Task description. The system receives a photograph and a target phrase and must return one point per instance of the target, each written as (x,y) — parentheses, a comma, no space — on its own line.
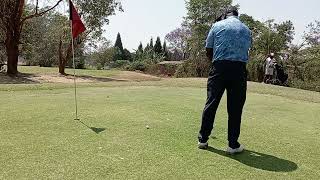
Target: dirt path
(55,78)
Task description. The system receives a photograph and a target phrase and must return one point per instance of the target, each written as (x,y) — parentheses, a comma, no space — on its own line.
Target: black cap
(220,14)
(233,10)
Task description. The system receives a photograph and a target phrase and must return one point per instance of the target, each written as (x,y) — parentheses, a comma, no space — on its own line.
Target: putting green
(40,139)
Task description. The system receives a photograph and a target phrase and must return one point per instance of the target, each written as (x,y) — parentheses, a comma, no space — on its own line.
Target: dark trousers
(232,76)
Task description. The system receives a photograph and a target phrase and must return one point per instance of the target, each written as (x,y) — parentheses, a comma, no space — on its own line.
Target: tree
(165,50)
(151,43)
(127,55)
(95,15)
(312,37)
(285,33)
(119,51)
(149,56)
(303,62)
(140,48)
(267,37)
(200,16)
(257,53)
(118,43)
(275,37)
(257,29)
(103,55)
(41,39)
(158,47)
(148,49)
(205,12)
(178,40)
(118,54)
(12,20)
(176,55)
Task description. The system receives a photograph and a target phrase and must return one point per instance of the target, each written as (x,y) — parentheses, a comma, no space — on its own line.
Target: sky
(143,19)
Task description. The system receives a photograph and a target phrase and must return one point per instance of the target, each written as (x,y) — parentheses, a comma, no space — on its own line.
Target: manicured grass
(40,139)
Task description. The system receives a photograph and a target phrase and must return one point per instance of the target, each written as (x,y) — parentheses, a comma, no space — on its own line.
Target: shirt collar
(232,17)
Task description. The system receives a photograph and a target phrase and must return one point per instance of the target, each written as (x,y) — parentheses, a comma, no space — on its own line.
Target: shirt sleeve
(210,39)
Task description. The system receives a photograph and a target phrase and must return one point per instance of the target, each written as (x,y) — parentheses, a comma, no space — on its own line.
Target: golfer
(227,46)
(269,68)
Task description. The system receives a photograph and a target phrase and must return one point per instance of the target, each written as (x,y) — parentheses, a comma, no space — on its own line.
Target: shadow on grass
(26,78)
(94,129)
(98,79)
(260,161)
(21,78)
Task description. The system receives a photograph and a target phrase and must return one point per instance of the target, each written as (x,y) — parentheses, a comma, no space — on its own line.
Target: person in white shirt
(269,68)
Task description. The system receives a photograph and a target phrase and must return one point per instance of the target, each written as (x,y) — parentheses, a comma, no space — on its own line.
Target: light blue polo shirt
(230,40)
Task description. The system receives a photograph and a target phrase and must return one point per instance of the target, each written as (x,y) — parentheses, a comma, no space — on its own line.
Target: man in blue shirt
(227,47)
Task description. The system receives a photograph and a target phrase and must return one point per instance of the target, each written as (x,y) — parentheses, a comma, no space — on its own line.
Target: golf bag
(3,67)
(280,77)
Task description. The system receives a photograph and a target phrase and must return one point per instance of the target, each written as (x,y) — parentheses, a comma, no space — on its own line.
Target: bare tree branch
(40,13)
(302,45)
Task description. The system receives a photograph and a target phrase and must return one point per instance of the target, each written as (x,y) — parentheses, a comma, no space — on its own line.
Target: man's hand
(210,53)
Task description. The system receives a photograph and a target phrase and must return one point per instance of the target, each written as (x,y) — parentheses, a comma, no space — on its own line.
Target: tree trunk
(12,41)
(12,49)
(63,59)
(62,65)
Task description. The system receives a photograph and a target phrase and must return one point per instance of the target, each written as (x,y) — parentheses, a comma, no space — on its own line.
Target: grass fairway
(40,139)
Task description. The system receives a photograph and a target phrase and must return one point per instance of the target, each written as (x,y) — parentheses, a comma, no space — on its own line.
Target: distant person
(227,45)
(269,68)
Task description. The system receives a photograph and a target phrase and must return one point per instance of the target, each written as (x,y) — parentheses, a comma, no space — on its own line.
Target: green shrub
(136,65)
(99,66)
(304,69)
(162,69)
(255,68)
(80,63)
(153,69)
(185,70)
(306,85)
(119,63)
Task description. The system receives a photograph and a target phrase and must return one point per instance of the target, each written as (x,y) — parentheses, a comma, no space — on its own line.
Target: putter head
(77,119)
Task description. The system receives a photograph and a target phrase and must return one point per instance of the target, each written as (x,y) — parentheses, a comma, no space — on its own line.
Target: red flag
(77,25)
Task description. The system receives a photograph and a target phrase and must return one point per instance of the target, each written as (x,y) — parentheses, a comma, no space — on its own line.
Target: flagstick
(74,75)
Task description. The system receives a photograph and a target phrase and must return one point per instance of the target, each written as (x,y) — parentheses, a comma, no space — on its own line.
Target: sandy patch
(55,78)
(136,76)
